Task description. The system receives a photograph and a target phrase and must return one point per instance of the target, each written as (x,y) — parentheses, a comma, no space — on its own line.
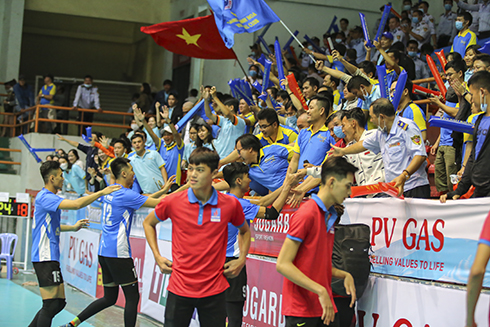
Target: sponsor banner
(138,255)
(413,304)
(154,295)
(421,238)
(264,294)
(79,259)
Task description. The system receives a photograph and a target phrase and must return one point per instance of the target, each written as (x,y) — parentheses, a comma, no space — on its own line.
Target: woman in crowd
(193,130)
(74,176)
(74,159)
(145,100)
(205,137)
(469,58)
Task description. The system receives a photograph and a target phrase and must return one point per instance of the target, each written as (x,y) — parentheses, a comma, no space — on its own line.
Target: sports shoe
(67,325)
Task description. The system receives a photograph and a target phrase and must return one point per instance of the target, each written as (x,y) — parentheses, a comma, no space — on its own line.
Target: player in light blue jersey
(236,175)
(114,250)
(46,230)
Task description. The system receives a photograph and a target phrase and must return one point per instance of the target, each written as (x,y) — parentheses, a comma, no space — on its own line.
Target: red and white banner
(395,303)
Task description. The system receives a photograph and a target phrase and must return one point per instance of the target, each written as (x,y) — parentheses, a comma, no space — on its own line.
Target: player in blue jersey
(114,249)
(46,230)
(236,175)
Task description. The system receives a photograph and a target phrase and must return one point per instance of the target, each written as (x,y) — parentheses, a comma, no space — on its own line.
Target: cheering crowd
(286,142)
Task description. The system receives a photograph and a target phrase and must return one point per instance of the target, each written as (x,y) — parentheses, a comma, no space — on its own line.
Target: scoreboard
(14,208)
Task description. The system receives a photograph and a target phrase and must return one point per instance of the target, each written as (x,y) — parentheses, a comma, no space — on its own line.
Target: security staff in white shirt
(417,30)
(396,31)
(447,27)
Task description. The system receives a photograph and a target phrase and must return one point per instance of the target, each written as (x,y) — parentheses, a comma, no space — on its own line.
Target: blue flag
(240,16)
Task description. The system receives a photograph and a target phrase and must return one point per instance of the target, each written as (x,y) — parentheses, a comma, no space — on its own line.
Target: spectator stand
(16,218)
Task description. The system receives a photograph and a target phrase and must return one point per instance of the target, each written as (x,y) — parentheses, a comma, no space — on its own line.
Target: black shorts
(119,271)
(237,292)
(48,273)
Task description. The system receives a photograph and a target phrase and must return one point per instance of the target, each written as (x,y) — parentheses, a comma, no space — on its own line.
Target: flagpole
(246,75)
(299,42)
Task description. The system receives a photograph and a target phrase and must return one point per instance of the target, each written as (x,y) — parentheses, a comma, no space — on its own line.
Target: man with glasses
(271,131)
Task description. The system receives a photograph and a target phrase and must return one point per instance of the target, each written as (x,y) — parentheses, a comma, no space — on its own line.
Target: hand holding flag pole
(294,36)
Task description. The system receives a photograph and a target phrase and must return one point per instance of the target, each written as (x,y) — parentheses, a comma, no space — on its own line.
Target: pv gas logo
(228,4)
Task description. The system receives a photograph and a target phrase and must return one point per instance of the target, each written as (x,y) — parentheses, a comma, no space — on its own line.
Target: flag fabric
(240,16)
(194,37)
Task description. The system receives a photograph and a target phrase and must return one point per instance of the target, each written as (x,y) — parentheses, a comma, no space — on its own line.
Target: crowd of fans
(342,93)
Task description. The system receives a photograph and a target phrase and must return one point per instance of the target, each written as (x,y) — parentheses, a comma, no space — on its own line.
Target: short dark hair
(335,80)
(273,92)
(344,20)
(268,114)
(174,94)
(249,141)
(50,76)
(284,95)
(313,82)
(383,106)
(123,142)
(88,76)
(337,167)
(234,170)
(395,53)
(326,94)
(457,65)
(480,79)
(356,82)
(424,3)
(193,92)
(351,53)
(466,16)
(455,56)
(232,102)
(483,57)
(409,87)
(136,135)
(204,156)
(323,102)
(368,67)
(395,18)
(412,42)
(117,165)
(355,113)
(167,82)
(418,12)
(49,168)
(475,48)
(340,47)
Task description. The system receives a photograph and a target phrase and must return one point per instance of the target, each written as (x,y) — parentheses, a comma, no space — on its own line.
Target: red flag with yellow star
(194,37)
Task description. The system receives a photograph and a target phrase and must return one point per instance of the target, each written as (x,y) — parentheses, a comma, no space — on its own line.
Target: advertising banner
(421,238)
(79,259)
(395,303)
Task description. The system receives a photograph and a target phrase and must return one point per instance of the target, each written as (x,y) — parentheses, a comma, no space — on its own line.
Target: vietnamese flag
(194,37)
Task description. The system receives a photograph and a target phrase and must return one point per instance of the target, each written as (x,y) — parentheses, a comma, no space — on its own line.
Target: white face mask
(134,127)
(64,166)
(483,105)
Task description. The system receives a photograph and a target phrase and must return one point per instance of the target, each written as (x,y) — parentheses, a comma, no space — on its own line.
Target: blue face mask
(422,10)
(412,54)
(338,40)
(337,130)
(87,85)
(291,121)
(459,26)
(252,73)
(407,7)
(483,106)
(310,47)
(415,20)
(448,6)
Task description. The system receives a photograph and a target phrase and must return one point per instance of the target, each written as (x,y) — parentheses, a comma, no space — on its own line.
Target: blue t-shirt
(272,167)
(250,210)
(172,155)
(188,148)
(46,227)
(229,132)
(76,177)
(481,134)
(446,138)
(117,217)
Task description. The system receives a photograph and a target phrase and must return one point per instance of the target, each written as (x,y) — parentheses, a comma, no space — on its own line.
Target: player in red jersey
(306,255)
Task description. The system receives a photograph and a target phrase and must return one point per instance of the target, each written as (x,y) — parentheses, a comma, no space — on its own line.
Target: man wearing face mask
(476,172)
(87,97)
(400,142)
(367,92)
(446,30)
(465,37)
(421,68)
(483,11)
(419,30)
(428,19)
(355,41)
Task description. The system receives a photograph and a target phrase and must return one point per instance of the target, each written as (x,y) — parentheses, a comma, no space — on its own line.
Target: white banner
(79,259)
(421,238)
(395,303)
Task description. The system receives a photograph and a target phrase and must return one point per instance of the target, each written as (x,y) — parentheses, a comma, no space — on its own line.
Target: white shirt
(370,166)
(423,30)
(447,25)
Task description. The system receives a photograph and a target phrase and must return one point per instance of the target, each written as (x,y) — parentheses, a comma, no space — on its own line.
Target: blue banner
(240,16)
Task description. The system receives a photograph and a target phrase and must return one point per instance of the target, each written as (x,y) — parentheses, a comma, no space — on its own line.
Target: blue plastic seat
(7,239)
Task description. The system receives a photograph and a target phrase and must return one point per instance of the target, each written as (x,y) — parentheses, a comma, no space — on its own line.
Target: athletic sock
(75,322)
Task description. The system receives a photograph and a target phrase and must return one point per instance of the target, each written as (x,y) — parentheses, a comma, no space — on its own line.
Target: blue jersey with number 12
(117,216)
